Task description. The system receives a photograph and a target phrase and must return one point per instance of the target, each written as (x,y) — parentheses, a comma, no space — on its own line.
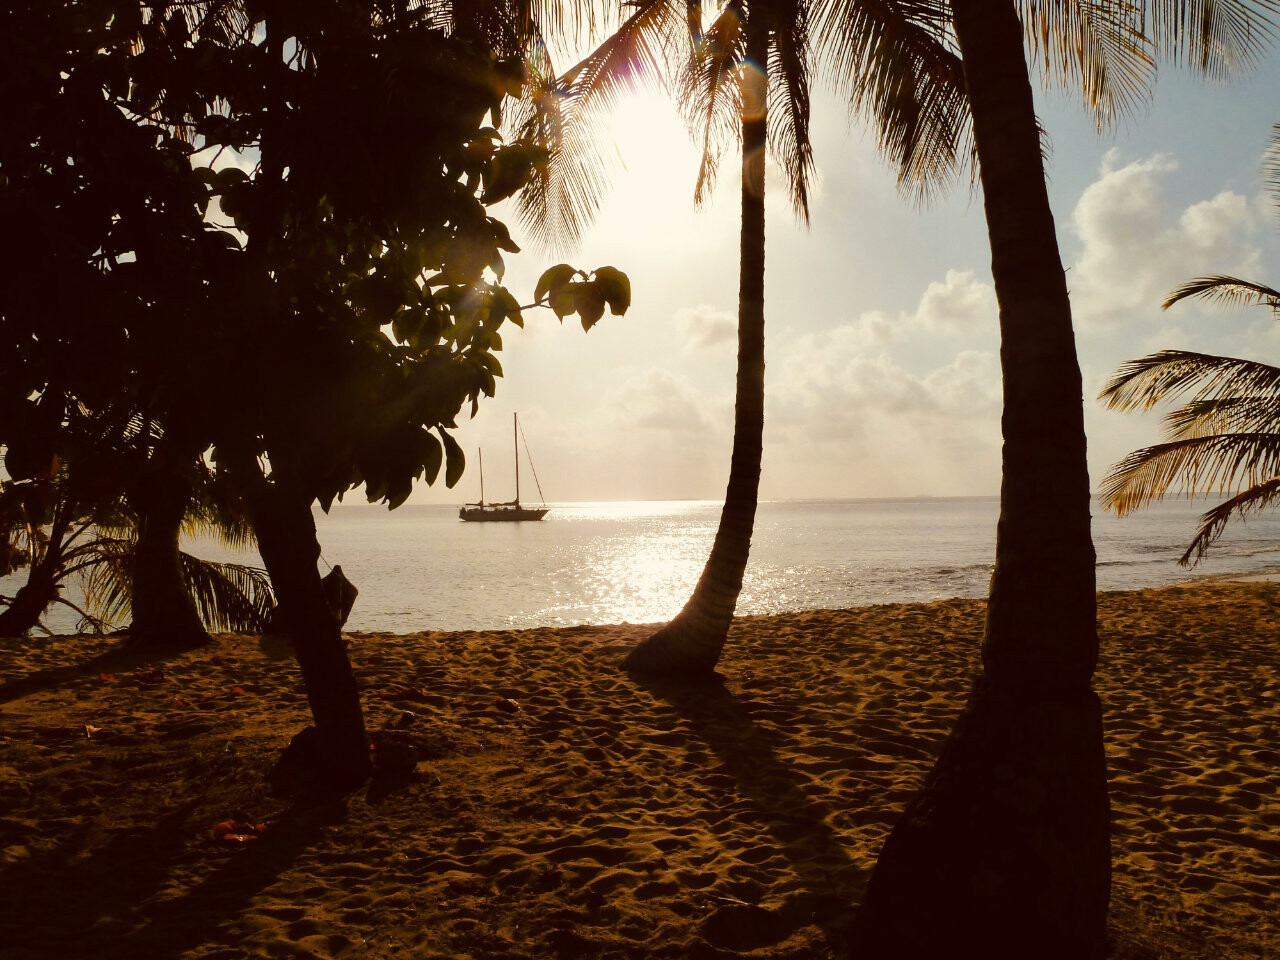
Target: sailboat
(511,510)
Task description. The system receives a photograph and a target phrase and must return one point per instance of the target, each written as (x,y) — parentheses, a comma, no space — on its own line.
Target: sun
(655,147)
(650,201)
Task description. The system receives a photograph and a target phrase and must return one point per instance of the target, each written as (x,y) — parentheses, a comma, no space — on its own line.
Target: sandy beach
(552,807)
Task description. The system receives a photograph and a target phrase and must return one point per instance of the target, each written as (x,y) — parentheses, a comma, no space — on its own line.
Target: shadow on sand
(112,902)
(749,751)
(120,658)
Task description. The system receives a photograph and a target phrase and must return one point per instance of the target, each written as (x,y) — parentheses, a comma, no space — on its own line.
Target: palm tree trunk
(43,585)
(1005,851)
(691,644)
(32,599)
(164,613)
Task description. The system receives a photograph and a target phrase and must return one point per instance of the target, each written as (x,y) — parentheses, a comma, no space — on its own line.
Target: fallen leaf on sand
(236,831)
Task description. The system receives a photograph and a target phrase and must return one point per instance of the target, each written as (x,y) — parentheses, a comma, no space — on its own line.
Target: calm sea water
(419,567)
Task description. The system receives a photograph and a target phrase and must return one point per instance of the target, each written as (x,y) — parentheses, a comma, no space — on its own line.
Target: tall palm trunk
(1004,853)
(164,612)
(691,644)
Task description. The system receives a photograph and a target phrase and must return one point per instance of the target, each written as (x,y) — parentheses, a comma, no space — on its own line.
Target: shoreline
(560,809)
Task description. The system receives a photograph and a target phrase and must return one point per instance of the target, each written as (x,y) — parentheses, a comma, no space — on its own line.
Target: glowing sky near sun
(882,348)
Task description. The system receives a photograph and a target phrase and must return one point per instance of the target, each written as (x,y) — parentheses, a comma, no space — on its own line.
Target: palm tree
(906,82)
(1005,849)
(1227,433)
(57,535)
(744,38)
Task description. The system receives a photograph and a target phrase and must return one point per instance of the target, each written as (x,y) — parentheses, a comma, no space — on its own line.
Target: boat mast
(480,454)
(515,446)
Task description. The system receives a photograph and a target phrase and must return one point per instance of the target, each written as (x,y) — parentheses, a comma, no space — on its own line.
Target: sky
(882,374)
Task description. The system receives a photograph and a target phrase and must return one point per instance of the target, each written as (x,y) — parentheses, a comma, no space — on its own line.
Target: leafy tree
(345,270)
(1006,847)
(1226,435)
(746,80)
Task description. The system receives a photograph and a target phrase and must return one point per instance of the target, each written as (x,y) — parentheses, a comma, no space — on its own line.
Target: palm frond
(568,117)
(710,99)
(1210,464)
(1144,382)
(1098,47)
(232,528)
(1271,167)
(1228,291)
(573,21)
(789,102)
(229,596)
(1199,418)
(1219,38)
(1214,521)
(107,577)
(898,65)
(87,620)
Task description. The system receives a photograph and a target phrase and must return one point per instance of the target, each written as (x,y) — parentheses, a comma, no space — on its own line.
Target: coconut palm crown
(1225,435)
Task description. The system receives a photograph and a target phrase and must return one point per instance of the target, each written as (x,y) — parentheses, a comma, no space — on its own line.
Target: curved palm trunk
(1005,852)
(44,582)
(164,613)
(691,644)
(33,598)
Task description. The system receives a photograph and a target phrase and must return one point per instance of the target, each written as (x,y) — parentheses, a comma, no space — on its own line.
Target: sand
(559,809)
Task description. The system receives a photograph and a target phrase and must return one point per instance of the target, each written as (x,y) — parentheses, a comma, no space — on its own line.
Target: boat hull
(501,514)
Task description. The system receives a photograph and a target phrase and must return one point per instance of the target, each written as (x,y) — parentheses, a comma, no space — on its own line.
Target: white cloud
(959,304)
(660,400)
(706,326)
(1133,253)
(898,432)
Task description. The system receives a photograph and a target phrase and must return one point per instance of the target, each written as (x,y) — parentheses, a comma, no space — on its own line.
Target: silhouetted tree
(341,300)
(65,528)
(1005,850)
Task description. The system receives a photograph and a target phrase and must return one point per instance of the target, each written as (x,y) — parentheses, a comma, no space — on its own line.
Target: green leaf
(510,170)
(502,236)
(455,461)
(589,304)
(562,301)
(552,279)
(432,456)
(398,491)
(507,305)
(615,288)
(228,177)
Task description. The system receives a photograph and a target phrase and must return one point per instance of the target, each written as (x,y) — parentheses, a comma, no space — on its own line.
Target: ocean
(420,568)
